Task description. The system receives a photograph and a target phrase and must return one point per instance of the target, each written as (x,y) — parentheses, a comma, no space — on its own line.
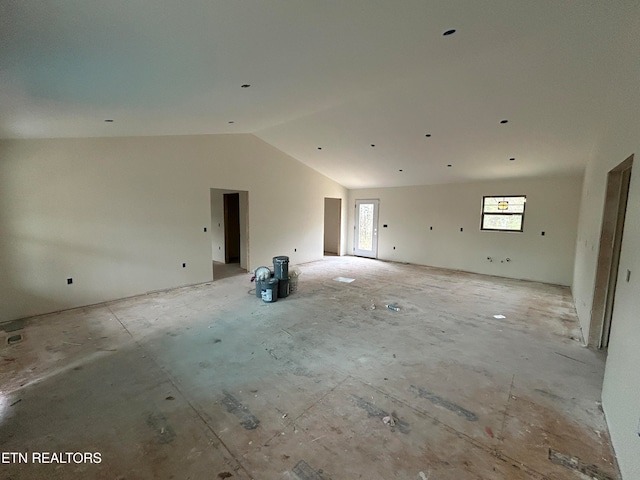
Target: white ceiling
(337,74)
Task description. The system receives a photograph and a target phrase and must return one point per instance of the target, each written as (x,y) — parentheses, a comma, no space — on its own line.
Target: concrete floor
(209,382)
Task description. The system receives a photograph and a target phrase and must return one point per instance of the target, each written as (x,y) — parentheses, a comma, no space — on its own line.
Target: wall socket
(69,281)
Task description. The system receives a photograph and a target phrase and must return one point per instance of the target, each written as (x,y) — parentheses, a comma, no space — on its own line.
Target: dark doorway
(613,218)
(231,228)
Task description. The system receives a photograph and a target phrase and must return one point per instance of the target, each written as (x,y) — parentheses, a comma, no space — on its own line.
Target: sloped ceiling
(329,79)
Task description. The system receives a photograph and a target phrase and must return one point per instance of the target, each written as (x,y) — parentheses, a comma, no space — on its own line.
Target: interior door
(366,228)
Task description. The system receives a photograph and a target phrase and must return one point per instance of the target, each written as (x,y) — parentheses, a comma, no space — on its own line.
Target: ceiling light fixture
(372,145)
(449,165)
(512,159)
(449,32)
(319,148)
(428,135)
(246,85)
(108,120)
(504,121)
(400,170)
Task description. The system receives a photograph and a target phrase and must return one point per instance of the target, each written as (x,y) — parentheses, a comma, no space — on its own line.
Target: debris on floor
(388,420)
(344,279)
(395,308)
(499,317)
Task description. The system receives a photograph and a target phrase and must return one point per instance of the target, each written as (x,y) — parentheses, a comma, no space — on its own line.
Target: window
(505,214)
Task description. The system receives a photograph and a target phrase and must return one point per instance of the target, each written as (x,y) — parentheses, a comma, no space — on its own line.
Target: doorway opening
(231,203)
(615,208)
(366,228)
(229,232)
(332,225)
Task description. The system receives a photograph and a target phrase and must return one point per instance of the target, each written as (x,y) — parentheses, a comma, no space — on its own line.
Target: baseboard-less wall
(120,216)
(423,227)
(618,139)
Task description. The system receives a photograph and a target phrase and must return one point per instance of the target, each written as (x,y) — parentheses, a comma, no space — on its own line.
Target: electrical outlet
(542,233)
(205,229)
(461,229)
(69,281)
(184,265)
(295,249)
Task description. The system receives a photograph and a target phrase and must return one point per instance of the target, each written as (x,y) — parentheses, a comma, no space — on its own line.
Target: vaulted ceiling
(367,92)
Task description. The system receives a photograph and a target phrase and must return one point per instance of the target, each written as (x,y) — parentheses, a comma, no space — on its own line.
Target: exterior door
(366,228)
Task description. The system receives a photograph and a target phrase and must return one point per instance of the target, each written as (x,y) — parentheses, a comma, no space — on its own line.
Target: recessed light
(449,32)
(372,145)
(449,165)
(428,135)
(319,148)
(246,85)
(108,120)
(504,121)
(400,170)
(231,121)
(511,159)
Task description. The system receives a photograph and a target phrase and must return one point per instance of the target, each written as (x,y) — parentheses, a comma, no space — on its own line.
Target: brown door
(231,227)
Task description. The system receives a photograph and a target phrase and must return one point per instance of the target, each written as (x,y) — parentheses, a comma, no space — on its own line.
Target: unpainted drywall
(619,138)
(332,220)
(121,215)
(423,227)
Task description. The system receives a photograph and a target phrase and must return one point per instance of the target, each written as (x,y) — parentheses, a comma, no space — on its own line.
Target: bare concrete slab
(211,382)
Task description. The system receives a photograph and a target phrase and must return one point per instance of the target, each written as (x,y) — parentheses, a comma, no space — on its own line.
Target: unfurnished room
(320,240)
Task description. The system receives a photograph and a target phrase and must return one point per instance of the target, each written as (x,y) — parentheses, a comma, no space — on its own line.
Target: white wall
(552,206)
(619,139)
(244,229)
(121,215)
(332,221)
(621,390)
(217,225)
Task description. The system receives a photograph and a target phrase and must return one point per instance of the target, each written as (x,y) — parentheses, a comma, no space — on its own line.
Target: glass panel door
(366,228)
